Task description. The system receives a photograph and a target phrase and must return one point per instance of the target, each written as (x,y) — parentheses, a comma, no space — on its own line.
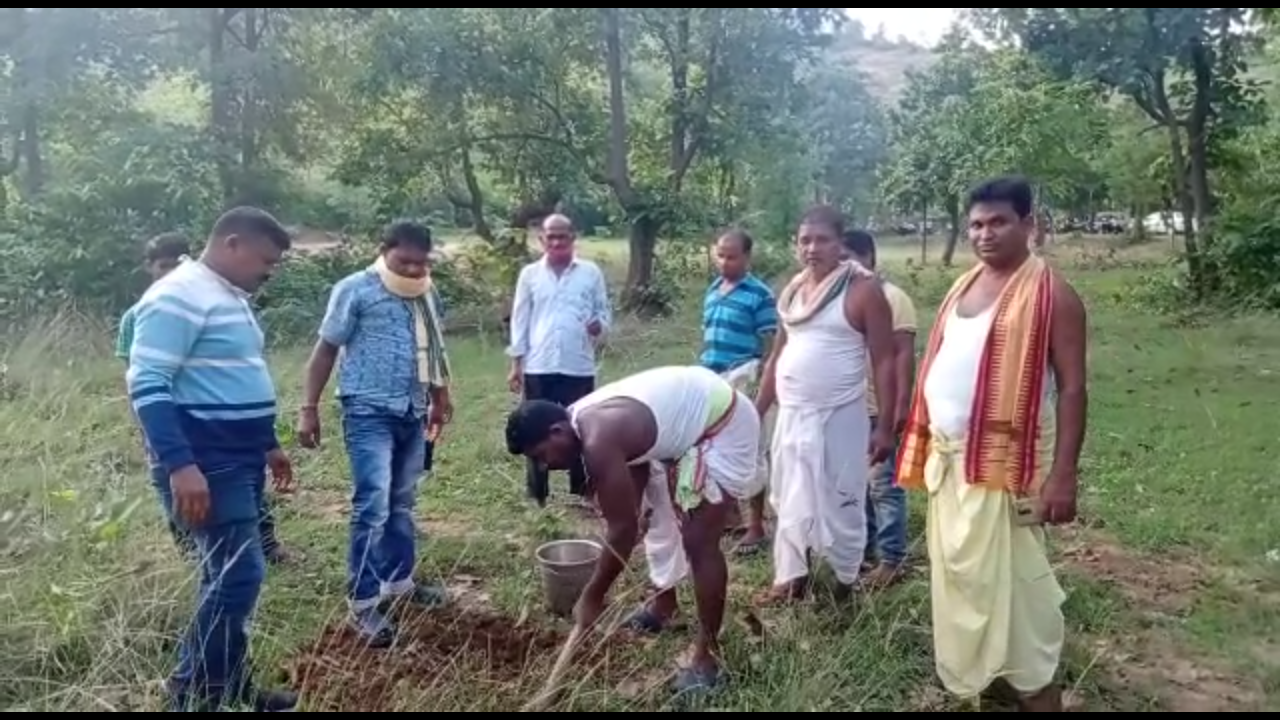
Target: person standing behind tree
(393,381)
(201,390)
(886,502)
(561,311)
(739,321)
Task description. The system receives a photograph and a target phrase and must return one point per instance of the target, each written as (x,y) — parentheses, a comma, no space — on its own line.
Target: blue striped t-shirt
(734,323)
(197,377)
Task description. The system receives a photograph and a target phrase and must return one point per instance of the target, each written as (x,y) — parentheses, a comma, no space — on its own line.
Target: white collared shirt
(550,315)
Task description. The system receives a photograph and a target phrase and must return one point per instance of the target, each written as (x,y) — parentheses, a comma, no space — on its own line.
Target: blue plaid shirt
(378,372)
(734,323)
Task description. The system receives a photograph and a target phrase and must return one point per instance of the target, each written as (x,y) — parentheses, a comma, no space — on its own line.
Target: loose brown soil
(499,660)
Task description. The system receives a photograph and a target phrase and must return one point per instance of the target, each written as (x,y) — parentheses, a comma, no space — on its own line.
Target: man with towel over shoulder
(998,456)
(393,387)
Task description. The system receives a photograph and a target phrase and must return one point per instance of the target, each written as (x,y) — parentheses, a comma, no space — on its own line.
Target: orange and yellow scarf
(1001,446)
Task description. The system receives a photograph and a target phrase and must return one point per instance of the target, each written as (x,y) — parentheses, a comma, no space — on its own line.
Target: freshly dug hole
(448,656)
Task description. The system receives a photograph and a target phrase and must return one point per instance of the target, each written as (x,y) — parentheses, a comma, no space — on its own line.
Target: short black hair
(247,220)
(1012,189)
(406,232)
(166,246)
(742,236)
(824,215)
(531,423)
(859,242)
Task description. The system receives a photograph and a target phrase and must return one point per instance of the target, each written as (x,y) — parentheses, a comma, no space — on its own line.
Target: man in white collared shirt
(560,313)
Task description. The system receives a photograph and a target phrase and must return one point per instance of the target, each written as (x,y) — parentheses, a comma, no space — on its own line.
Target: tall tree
(1182,66)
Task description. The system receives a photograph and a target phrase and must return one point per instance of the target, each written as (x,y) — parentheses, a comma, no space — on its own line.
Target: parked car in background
(1166,223)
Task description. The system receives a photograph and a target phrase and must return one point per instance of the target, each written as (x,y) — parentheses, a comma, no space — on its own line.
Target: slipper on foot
(693,680)
(747,548)
(645,622)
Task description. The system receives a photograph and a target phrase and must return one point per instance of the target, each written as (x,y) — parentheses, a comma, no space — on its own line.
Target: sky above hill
(921,25)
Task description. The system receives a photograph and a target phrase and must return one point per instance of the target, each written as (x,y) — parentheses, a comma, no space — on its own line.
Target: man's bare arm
(319,368)
(619,504)
(1068,343)
(868,311)
(904,356)
(767,395)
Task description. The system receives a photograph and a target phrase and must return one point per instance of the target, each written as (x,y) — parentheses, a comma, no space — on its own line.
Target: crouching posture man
(679,443)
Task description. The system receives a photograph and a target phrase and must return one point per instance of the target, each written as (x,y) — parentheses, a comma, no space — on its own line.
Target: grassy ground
(1174,592)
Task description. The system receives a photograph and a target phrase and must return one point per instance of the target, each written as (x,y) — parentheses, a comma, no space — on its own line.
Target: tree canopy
(655,124)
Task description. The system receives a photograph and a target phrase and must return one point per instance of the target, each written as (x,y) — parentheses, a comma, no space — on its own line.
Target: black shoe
(275,701)
(372,625)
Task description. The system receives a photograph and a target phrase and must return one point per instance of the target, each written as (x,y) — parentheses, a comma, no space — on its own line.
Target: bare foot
(1047,700)
(784,594)
(883,576)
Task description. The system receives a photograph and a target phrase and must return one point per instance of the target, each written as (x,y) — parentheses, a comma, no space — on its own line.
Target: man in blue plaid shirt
(739,320)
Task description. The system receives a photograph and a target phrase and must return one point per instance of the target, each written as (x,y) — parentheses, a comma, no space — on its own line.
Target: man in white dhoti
(832,314)
(997,456)
(678,443)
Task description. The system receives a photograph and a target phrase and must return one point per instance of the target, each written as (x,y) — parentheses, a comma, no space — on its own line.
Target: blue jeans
(213,655)
(886,513)
(187,545)
(386,455)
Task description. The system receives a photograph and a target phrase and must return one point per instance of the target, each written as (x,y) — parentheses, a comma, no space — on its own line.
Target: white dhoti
(818,488)
(997,607)
(729,459)
(742,378)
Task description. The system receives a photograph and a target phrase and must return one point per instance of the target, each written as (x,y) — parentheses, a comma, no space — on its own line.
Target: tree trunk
(643,231)
(953,232)
(221,99)
(642,240)
(1198,146)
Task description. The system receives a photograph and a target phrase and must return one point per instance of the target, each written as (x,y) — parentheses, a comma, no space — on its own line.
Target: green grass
(1172,574)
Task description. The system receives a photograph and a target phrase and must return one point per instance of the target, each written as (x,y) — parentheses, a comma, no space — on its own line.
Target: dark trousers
(187,544)
(562,390)
(213,655)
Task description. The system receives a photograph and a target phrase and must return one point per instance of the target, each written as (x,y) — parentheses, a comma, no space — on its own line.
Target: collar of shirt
(747,279)
(211,273)
(573,262)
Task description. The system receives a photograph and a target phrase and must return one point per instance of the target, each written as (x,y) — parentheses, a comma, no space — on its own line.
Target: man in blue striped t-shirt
(739,320)
(201,391)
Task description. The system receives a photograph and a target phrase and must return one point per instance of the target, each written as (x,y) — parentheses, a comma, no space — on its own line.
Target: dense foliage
(654,124)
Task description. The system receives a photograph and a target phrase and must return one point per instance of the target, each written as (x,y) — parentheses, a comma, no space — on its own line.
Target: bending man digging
(679,442)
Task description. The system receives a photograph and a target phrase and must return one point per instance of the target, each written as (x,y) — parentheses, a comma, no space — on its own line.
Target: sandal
(425,596)
(645,622)
(747,548)
(690,680)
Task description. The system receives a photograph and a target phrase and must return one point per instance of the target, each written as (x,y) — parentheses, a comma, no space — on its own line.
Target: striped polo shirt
(197,377)
(734,323)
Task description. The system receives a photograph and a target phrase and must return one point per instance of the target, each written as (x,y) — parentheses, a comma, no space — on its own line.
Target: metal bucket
(567,567)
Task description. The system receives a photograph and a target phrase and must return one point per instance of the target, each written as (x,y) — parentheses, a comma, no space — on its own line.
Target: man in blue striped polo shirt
(201,391)
(739,320)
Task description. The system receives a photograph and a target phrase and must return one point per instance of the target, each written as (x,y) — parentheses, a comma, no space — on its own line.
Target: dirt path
(1148,659)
